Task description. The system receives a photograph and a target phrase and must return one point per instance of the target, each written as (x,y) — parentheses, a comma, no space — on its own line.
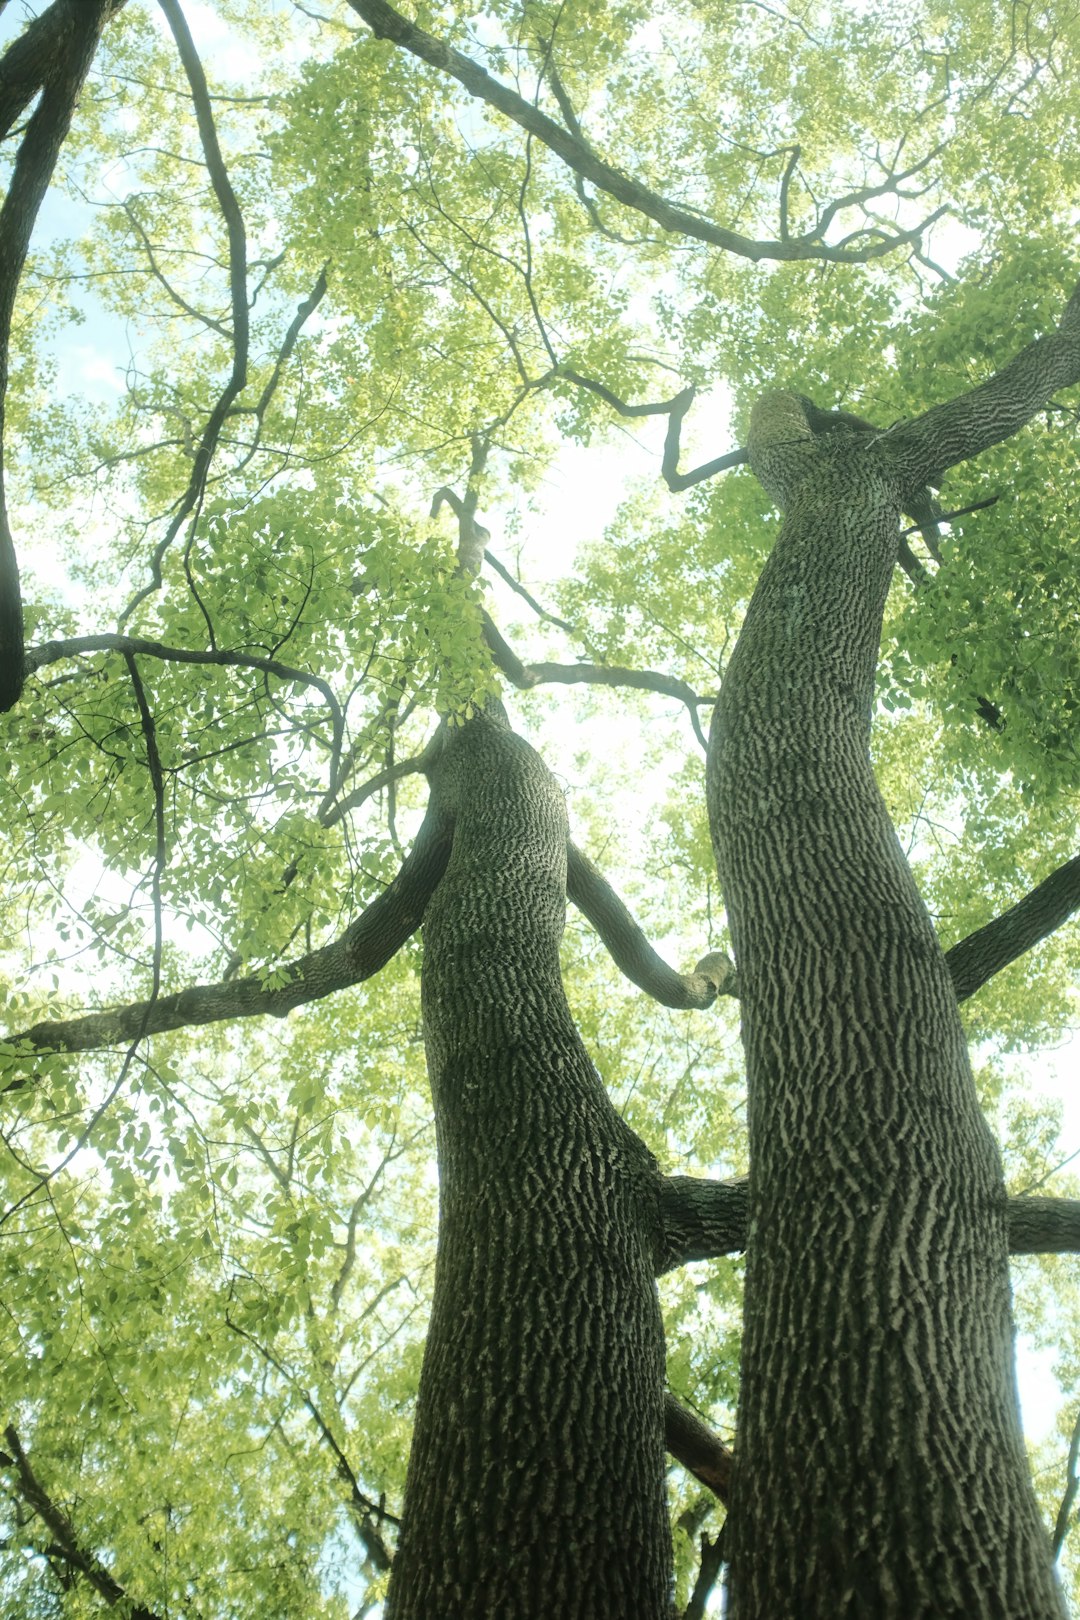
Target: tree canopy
(322,300)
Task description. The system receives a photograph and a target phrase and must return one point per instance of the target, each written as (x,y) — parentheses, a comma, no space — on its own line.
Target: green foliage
(217,1252)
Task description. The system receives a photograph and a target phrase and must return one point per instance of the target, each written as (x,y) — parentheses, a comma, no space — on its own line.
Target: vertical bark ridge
(880,1469)
(535,1483)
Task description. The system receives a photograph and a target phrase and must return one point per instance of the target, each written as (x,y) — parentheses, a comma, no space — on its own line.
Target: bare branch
(73,34)
(1052,902)
(631,951)
(701,1452)
(673,478)
(702,1220)
(526,676)
(366,1514)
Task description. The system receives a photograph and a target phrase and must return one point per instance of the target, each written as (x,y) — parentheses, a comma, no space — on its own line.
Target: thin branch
(238,296)
(386,23)
(527,596)
(669,467)
(526,676)
(1072,1485)
(51,652)
(365,1511)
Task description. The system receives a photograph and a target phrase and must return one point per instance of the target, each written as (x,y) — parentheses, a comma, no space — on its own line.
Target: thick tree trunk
(880,1469)
(535,1484)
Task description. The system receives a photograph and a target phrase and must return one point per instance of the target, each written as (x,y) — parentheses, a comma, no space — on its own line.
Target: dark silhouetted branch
(72,36)
(1052,902)
(66,1546)
(365,947)
(386,23)
(701,1452)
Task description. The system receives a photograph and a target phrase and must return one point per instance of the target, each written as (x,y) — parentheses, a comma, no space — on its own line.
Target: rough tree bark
(880,1469)
(535,1482)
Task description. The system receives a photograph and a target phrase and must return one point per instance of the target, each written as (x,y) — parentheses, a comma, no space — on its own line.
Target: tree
(419,255)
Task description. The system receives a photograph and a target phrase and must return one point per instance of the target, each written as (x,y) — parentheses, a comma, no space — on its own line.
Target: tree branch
(39,55)
(921,450)
(63,1531)
(980,955)
(669,466)
(631,951)
(366,1513)
(703,1220)
(701,1452)
(365,947)
(1072,1485)
(386,23)
(74,34)
(51,652)
(526,676)
(238,296)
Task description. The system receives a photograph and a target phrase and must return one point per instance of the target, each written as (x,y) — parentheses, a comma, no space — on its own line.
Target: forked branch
(386,23)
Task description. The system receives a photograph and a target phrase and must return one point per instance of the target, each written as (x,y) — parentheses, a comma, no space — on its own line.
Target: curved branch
(386,23)
(1052,902)
(366,946)
(631,951)
(526,676)
(51,652)
(703,1220)
(669,466)
(74,47)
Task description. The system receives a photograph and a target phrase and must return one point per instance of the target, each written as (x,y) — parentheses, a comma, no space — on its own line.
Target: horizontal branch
(365,947)
(51,652)
(386,23)
(703,1220)
(66,1547)
(526,676)
(980,955)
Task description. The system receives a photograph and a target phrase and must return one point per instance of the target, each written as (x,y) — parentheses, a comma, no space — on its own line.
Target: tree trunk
(880,1469)
(535,1484)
